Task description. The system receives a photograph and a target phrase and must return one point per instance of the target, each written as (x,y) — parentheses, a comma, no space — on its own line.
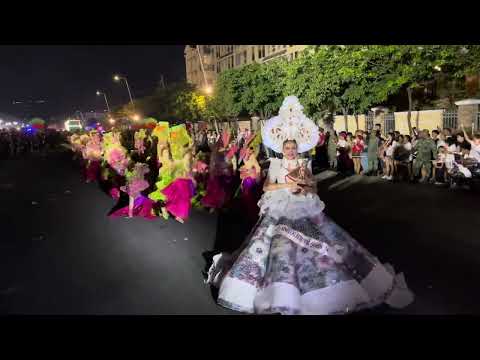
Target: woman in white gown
(297,260)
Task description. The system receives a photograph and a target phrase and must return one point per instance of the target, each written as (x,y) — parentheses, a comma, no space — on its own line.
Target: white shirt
(475,152)
(441,143)
(391,148)
(342,143)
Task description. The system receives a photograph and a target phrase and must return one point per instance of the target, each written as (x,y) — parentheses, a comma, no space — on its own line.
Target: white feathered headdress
(290,124)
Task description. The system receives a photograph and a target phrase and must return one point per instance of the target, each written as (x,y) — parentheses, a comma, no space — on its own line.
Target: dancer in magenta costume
(139,205)
(180,192)
(93,154)
(250,175)
(220,185)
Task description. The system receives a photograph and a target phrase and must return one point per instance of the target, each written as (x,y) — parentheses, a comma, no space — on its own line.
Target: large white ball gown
(297,261)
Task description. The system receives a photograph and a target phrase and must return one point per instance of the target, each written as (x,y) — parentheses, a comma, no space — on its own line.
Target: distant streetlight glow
(136,117)
(118,78)
(111,121)
(208,90)
(438,68)
(105,97)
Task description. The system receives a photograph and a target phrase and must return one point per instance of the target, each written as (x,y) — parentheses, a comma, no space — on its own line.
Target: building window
(245,57)
(273,48)
(237,60)
(261,51)
(253,54)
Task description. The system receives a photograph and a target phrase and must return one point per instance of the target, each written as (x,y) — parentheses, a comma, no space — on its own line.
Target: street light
(105,96)
(208,90)
(118,78)
(136,117)
(111,121)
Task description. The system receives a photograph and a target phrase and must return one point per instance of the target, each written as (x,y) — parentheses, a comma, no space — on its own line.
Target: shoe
(384,177)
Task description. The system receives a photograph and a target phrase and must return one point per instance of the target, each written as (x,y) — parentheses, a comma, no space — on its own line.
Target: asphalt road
(60,254)
(427,232)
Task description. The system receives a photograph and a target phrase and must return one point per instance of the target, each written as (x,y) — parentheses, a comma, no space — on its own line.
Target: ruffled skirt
(179,197)
(303,263)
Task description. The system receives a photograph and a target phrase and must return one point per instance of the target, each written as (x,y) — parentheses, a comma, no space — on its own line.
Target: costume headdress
(290,124)
(140,136)
(179,137)
(161,131)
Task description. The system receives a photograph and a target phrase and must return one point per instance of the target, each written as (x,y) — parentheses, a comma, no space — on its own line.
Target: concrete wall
(339,123)
(427,119)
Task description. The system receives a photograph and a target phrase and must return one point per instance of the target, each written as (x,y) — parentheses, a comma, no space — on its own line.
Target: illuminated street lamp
(105,96)
(438,68)
(111,121)
(118,78)
(208,90)
(136,117)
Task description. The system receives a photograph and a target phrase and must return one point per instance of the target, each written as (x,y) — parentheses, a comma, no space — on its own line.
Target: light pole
(106,101)
(118,78)
(208,89)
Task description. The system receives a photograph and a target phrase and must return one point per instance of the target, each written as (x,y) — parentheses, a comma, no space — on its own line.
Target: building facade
(218,58)
(195,75)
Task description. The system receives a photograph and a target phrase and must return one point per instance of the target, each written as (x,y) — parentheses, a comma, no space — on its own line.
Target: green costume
(332,151)
(373,144)
(426,152)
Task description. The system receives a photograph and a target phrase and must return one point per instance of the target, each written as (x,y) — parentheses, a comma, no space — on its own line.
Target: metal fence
(369,121)
(450,119)
(389,123)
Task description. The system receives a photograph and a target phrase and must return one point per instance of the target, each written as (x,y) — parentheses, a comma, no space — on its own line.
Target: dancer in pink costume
(180,192)
(250,176)
(138,205)
(223,164)
(93,154)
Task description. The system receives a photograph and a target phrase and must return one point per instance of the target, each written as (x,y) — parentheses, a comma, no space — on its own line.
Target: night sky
(67,77)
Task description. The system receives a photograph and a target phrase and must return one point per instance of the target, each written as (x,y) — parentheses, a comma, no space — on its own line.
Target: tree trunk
(345,117)
(417,120)
(409,114)
(356,121)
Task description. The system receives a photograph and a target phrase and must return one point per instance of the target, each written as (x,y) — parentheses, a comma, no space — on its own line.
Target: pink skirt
(142,207)
(216,194)
(179,196)
(92,170)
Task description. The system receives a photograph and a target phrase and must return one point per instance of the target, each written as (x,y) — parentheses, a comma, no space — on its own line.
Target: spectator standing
(426,151)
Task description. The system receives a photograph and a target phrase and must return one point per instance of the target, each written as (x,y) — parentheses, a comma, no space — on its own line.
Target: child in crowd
(332,150)
(439,169)
(357,149)
(389,147)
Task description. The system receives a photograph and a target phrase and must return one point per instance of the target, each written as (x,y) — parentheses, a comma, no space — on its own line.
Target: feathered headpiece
(161,131)
(290,124)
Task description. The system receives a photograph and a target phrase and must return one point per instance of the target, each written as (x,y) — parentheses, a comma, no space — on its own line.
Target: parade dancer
(116,159)
(93,153)
(179,193)
(250,176)
(138,204)
(297,260)
(222,168)
(166,166)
